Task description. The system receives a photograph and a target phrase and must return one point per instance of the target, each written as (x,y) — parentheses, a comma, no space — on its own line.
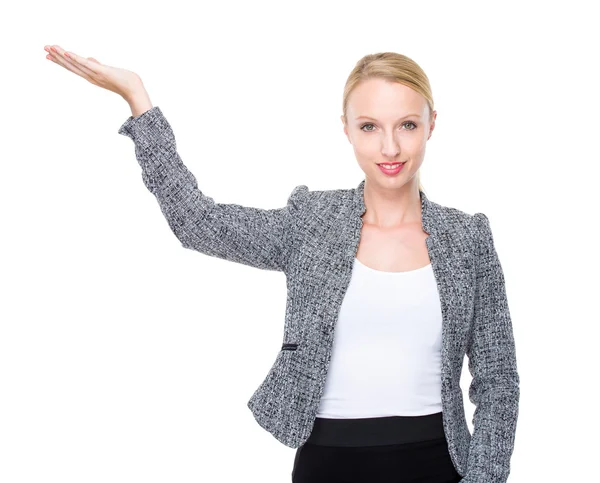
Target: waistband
(376,431)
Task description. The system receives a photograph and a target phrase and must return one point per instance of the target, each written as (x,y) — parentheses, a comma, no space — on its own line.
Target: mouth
(391,169)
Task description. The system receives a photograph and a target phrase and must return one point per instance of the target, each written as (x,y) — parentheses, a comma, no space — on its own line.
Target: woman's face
(388,123)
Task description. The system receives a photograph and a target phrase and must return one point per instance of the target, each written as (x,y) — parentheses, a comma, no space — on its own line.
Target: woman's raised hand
(121,81)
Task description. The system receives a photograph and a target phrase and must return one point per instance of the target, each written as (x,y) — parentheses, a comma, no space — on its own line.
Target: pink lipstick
(393,170)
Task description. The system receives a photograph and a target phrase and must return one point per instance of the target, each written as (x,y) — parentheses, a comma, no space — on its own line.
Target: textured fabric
(313,240)
(386,356)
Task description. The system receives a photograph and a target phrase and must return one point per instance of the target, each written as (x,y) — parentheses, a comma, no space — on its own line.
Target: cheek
(365,156)
(415,142)
(415,147)
(366,149)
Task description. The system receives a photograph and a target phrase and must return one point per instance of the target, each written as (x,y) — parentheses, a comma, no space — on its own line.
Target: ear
(432,123)
(345,128)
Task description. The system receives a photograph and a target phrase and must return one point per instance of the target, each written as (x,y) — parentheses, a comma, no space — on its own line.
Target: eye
(404,124)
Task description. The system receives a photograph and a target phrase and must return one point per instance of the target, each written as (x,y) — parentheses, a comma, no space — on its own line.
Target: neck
(392,207)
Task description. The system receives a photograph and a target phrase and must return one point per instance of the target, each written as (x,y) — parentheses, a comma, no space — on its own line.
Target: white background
(126,358)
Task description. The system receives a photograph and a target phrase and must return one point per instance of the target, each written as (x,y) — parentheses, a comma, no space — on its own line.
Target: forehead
(379,97)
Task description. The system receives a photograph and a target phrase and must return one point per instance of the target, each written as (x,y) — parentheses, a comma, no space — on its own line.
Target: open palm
(121,81)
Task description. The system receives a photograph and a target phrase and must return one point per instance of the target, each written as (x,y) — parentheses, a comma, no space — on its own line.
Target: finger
(82,74)
(79,64)
(67,64)
(83,63)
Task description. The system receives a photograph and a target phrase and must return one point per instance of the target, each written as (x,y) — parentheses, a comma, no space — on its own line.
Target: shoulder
(319,200)
(472,229)
(453,218)
(475,226)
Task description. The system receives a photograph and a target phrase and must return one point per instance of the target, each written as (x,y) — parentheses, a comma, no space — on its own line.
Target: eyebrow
(373,119)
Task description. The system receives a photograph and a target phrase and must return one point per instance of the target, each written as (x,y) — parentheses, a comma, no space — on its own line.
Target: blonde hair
(395,68)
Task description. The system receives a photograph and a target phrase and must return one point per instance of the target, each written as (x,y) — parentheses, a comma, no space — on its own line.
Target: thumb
(93,60)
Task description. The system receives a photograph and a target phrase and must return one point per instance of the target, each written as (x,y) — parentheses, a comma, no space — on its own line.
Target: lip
(391,172)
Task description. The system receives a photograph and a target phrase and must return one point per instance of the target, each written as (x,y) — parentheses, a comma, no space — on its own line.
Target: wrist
(139,101)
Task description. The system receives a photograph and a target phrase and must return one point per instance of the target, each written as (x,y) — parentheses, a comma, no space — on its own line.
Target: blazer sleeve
(494,388)
(251,236)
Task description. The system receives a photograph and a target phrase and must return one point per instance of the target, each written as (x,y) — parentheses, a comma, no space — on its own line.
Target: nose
(390,146)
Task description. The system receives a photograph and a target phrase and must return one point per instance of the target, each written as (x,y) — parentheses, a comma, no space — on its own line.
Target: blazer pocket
(289,347)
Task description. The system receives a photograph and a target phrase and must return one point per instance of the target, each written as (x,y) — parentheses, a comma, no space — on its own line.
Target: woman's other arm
(492,362)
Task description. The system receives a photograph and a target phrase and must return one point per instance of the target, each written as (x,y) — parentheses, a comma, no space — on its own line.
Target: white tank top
(386,354)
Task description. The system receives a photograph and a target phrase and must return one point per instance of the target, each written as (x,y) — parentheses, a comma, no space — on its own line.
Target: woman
(410,287)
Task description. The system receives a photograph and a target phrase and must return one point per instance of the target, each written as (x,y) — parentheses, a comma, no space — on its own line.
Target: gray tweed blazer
(313,240)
